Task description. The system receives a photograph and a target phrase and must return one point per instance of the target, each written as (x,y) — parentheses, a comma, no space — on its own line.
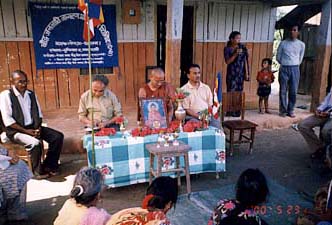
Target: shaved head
(157,78)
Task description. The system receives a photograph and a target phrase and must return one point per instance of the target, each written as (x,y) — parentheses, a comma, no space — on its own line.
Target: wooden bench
(21,152)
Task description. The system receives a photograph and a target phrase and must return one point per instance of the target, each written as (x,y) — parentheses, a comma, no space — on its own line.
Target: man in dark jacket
(22,117)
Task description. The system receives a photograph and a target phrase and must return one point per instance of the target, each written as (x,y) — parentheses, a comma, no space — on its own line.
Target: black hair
(101,78)
(164,190)
(268,60)
(193,65)
(87,185)
(20,72)
(251,188)
(231,36)
(291,25)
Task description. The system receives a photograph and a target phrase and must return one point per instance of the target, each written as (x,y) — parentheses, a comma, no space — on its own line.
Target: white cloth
(25,103)
(28,141)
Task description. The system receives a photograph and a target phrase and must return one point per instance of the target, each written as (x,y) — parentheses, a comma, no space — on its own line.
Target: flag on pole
(217,96)
(93,16)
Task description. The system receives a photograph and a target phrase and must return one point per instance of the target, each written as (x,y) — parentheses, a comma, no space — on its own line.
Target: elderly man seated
(200,96)
(104,104)
(322,118)
(14,175)
(158,88)
(22,118)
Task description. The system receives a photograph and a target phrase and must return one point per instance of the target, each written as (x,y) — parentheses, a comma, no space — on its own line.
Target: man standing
(200,96)
(322,118)
(158,88)
(22,117)
(105,105)
(290,54)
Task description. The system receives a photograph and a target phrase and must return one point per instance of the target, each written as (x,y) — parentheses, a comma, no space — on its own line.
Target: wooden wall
(213,22)
(62,88)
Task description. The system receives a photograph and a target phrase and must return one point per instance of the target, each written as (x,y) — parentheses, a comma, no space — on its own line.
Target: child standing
(265,78)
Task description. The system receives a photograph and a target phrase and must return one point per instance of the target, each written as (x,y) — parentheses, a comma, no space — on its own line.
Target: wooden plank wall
(215,20)
(62,88)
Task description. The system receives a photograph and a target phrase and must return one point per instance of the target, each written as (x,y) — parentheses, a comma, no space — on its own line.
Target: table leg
(159,165)
(178,174)
(187,171)
(151,167)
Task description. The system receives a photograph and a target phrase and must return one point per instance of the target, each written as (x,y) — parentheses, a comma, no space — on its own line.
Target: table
(125,161)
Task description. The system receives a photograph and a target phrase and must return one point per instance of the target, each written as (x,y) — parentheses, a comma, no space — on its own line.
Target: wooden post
(173,41)
(323,56)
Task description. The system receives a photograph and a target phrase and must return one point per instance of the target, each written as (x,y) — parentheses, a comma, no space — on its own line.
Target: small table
(175,151)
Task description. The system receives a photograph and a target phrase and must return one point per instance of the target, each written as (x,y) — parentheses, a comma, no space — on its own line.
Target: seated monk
(106,106)
(158,88)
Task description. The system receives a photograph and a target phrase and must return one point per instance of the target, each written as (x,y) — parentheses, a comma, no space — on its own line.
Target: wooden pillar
(173,41)
(323,56)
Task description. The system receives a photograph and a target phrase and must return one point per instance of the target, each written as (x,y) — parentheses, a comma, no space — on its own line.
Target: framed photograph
(153,112)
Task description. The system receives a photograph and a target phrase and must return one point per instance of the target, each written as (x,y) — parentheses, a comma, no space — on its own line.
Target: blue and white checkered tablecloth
(125,161)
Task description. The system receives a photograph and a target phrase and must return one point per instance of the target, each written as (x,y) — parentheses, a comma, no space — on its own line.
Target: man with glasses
(290,54)
(105,105)
(158,88)
(22,118)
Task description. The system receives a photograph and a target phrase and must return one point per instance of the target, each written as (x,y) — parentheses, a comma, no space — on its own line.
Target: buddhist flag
(217,96)
(93,16)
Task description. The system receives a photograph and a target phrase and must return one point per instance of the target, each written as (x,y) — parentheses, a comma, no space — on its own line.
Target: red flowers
(106,132)
(210,110)
(119,120)
(192,126)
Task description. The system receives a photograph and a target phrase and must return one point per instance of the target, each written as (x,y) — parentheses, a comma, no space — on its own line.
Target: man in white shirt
(200,96)
(22,119)
(290,55)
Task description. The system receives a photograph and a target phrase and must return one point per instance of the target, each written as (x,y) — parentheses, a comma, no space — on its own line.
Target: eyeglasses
(295,30)
(21,82)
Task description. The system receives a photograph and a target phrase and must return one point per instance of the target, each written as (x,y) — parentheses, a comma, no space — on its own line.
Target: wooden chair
(232,102)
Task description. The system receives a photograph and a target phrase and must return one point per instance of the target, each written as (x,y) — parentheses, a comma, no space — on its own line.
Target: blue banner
(58,37)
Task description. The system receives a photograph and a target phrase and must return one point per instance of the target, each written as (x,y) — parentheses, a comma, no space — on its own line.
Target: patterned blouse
(231,212)
(13,178)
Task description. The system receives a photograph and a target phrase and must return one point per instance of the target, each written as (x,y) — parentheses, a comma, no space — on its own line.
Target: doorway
(186,42)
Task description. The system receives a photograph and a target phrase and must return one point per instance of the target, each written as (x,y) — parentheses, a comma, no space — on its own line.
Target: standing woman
(236,58)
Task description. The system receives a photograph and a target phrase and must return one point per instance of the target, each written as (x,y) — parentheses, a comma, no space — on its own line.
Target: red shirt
(265,77)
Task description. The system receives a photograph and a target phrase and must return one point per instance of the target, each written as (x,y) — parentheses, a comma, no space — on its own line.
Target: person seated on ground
(200,96)
(158,88)
(251,190)
(81,209)
(106,106)
(14,175)
(160,197)
(22,117)
(321,214)
(322,118)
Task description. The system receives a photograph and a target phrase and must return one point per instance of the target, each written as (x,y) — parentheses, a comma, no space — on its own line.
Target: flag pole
(91,94)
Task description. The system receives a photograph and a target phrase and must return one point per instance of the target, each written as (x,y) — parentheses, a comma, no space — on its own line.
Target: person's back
(251,190)
(231,212)
(80,208)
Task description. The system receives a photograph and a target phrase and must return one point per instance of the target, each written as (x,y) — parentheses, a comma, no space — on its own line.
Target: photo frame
(153,112)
